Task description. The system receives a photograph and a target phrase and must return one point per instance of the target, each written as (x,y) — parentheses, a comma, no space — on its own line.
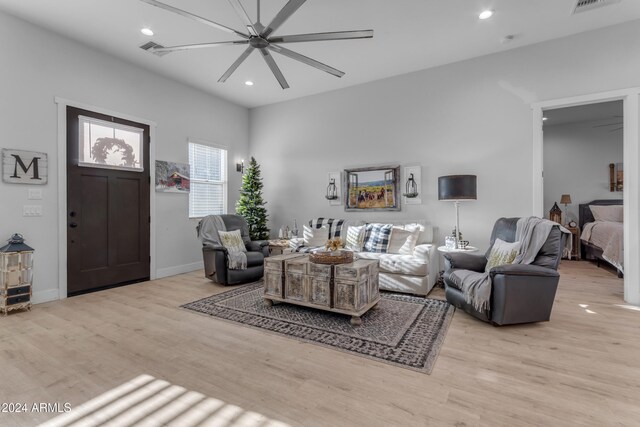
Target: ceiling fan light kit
(258,37)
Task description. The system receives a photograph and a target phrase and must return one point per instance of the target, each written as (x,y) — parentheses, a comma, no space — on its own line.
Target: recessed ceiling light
(544,119)
(249,83)
(146,31)
(486,14)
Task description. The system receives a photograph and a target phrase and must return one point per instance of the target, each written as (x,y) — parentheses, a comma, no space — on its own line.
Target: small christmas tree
(250,205)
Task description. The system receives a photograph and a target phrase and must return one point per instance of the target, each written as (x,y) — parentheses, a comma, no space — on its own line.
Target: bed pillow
(376,238)
(355,238)
(613,213)
(403,240)
(502,253)
(315,236)
(232,240)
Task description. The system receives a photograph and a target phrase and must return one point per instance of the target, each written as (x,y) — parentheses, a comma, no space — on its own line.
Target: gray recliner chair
(216,264)
(521,293)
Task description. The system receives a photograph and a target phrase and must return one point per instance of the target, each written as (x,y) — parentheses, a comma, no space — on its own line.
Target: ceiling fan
(261,38)
(619,123)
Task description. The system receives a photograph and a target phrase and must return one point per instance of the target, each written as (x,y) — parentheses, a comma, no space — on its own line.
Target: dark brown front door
(108,220)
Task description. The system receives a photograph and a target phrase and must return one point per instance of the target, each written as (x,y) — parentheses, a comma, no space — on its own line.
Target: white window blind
(208,193)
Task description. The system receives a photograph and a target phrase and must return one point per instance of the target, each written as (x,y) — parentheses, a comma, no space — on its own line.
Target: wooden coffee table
(350,289)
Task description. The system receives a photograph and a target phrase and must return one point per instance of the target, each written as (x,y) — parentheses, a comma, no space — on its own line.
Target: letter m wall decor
(24,167)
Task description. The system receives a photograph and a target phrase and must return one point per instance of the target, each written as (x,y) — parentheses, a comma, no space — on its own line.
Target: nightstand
(575,247)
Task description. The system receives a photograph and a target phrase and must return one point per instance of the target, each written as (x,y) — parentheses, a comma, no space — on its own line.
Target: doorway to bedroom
(583,179)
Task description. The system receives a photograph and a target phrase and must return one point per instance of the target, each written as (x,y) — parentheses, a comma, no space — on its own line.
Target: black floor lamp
(456,189)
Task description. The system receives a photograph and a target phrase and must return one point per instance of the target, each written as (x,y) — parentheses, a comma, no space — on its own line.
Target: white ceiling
(601,112)
(409,35)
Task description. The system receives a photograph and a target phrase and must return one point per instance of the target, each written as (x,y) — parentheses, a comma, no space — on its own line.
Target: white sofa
(414,274)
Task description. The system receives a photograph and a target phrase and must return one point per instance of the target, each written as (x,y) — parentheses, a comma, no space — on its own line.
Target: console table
(350,289)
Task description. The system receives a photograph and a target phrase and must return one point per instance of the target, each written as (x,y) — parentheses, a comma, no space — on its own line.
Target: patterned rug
(405,331)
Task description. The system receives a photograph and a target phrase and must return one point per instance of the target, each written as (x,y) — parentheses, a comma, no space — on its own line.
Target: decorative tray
(331,257)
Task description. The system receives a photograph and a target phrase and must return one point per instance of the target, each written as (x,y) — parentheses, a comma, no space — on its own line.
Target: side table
(575,247)
(446,250)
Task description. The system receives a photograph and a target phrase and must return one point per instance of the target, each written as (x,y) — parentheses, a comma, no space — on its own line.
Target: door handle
(73,225)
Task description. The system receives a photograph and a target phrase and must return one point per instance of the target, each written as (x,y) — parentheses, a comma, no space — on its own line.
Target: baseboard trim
(45,296)
(178,269)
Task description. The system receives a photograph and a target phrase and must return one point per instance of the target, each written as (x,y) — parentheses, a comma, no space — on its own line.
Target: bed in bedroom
(602,233)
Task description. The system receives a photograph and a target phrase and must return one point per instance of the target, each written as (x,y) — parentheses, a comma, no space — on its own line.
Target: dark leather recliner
(216,266)
(520,293)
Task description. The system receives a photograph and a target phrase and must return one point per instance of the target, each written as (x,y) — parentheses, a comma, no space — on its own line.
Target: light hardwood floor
(581,368)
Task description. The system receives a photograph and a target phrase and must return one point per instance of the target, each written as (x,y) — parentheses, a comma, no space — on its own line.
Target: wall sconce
(240,166)
(411,188)
(332,190)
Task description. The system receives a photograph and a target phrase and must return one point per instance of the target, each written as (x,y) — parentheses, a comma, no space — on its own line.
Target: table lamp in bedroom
(566,200)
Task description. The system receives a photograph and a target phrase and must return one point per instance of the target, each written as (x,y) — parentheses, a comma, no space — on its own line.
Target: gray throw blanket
(532,233)
(208,229)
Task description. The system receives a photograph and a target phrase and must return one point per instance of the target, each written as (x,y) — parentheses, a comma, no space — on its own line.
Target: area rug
(405,330)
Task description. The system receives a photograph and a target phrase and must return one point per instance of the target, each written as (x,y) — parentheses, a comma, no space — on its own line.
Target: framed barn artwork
(172,177)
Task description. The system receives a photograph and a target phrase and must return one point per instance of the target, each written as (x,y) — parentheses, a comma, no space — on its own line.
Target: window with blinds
(208,193)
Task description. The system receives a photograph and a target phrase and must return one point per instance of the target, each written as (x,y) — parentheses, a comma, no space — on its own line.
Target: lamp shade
(565,199)
(457,187)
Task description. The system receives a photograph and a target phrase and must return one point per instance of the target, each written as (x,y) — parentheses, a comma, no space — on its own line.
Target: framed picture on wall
(172,177)
(616,176)
(373,188)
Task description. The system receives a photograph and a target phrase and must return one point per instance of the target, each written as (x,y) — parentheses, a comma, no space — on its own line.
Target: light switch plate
(32,210)
(35,194)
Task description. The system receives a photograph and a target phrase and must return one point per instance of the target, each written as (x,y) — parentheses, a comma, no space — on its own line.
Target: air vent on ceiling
(150,46)
(584,5)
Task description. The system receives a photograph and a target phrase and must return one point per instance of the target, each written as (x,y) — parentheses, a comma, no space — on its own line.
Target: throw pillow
(376,238)
(613,213)
(314,236)
(355,238)
(502,253)
(232,240)
(334,226)
(403,240)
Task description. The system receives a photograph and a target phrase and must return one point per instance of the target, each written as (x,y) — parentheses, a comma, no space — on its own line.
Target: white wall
(37,66)
(471,117)
(576,162)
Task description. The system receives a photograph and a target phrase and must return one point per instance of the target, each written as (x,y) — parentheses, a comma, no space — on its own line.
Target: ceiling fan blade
(236,64)
(338,35)
(305,59)
(168,49)
(609,124)
(243,16)
(284,14)
(274,68)
(194,17)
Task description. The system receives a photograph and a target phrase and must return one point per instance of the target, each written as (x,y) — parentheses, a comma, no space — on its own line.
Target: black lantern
(411,188)
(332,190)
